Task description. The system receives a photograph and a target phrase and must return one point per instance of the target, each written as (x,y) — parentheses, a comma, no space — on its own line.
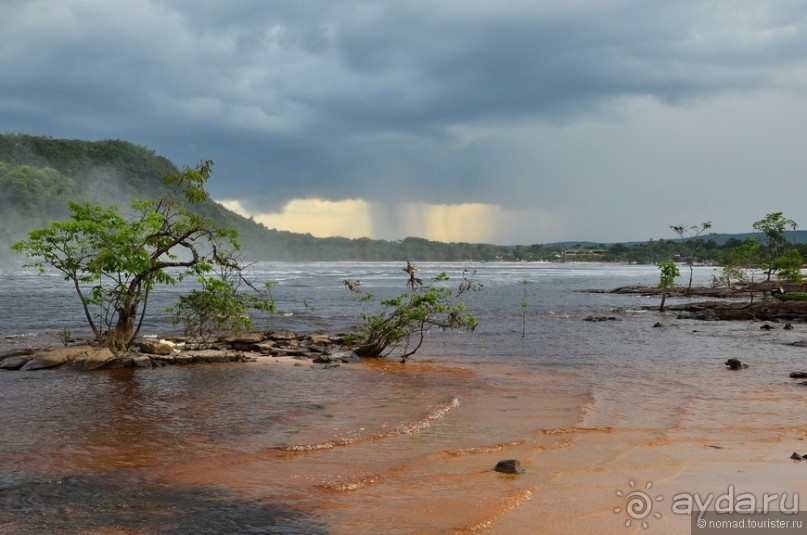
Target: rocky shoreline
(317,348)
(752,303)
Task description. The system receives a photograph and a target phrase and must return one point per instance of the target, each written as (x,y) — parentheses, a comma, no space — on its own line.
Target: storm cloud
(603,120)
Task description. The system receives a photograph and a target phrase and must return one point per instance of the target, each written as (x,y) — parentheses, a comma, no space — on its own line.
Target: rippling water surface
(265,447)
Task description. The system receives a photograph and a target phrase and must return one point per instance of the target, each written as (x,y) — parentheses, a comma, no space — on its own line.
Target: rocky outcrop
(600,318)
(83,357)
(761,310)
(319,348)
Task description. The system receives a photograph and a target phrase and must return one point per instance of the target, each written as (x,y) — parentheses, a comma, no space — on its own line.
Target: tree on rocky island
(742,263)
(689,236)
(115,260)
(773,225)
(405,319)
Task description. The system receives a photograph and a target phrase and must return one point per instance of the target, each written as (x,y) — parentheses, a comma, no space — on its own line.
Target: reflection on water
(390,448)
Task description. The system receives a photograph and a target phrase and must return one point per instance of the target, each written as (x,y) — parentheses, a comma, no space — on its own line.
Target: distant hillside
(38,175)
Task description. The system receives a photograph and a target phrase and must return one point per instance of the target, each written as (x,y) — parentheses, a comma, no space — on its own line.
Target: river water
(592,410)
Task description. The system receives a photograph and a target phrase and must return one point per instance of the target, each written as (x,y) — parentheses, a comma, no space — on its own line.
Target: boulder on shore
(52,358)
(156,347)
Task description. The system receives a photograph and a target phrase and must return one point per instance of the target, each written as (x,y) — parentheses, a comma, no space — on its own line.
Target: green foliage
(219,306)
(668,273)
(773,225)
(404,319)
(788,266)
(114,261)
(65,336)
(741,263)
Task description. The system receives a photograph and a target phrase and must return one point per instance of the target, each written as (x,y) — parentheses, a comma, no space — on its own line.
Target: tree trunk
(122,336)
(691,273)
(663,307)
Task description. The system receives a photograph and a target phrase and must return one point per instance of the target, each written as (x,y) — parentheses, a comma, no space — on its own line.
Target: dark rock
(264,348)
(17,352)
(288,352)
(210,355)
(767,327)
(346,357)
(141,361)
(601,318)
(509,466)
(796,457)
(735,364)
(788,327)
(803,383)
(124,361)
(14,363)
(798,375)
(657,325)
(322,359)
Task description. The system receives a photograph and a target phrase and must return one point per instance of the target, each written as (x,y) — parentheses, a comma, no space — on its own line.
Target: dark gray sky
(508,121)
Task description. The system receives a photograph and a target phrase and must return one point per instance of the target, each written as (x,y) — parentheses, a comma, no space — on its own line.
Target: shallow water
(586,407)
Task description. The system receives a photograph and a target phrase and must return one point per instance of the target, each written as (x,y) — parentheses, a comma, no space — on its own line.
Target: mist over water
(383,447)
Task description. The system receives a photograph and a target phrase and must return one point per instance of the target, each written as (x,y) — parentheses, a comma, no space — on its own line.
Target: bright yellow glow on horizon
(470,222)
(323,219)
(354,218)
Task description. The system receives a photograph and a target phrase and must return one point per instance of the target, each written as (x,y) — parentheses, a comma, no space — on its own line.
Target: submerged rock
(796,457)
(509,466)
(735,364)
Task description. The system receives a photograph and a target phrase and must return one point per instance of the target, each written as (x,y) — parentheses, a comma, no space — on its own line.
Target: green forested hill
(38,175)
